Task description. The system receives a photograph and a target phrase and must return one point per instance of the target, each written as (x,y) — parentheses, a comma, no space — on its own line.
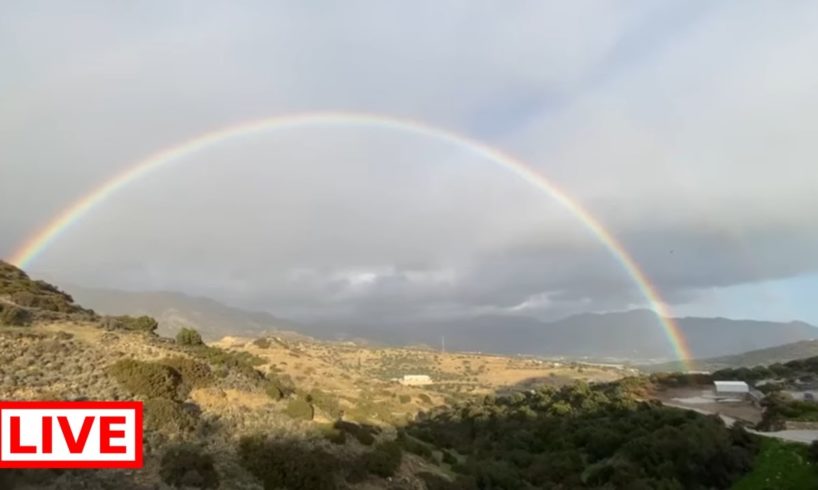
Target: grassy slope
(780,466)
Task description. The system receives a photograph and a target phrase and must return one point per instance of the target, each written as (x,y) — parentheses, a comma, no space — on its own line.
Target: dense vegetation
(147,379)
(223,361)
(780,408)
(678,380)
(292,464)
(141,324)
(280,464)
(587,437)
(384,459)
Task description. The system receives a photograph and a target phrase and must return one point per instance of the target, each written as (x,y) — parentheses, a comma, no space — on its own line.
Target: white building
(731,387)
(415,379)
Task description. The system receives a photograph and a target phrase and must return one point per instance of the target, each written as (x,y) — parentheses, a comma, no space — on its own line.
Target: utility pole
(443,344)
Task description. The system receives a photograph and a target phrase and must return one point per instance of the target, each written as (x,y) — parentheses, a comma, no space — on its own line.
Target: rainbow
(34,246)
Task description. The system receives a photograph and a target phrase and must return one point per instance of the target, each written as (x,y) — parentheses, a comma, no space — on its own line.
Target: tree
(189,336)
(298,408)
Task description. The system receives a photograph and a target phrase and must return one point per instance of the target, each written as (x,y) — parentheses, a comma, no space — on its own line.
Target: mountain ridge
(633,335)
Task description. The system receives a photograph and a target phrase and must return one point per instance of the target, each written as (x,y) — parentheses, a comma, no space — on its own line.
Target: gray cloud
(687,130)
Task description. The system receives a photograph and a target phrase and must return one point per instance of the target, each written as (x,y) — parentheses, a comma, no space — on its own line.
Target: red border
(136,406)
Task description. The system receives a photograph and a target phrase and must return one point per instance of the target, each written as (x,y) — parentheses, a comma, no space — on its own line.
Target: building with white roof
(731,387)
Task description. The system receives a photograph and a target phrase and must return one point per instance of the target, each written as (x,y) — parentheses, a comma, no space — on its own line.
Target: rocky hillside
(23,300)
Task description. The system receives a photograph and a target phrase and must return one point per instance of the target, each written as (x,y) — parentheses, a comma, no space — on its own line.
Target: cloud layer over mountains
(687,128)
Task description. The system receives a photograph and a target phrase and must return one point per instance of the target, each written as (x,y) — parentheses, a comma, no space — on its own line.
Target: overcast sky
(689,128)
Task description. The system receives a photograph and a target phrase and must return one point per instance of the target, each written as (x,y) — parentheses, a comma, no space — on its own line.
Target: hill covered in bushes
(234,416)
(585,436)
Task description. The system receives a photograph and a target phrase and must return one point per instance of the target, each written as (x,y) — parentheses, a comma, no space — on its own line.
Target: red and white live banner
(56,434)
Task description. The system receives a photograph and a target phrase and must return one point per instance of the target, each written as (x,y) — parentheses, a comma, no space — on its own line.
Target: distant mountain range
(634,335)
(771,355)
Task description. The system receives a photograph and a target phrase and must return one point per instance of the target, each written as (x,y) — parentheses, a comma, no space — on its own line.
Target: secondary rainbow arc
(46,236)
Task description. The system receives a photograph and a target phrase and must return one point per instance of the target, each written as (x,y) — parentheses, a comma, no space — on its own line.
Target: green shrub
(242,362)
(366,410)
(273,391)
(262,343)
(279,386)
(194,374)
(189,336)
(335,436)
(162,414)
(185,465)
(144,324)
(14,315)
(405,398)
(326,402)
(300,409)
(147,379)
(281,464)
(425,398)
(384,460)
